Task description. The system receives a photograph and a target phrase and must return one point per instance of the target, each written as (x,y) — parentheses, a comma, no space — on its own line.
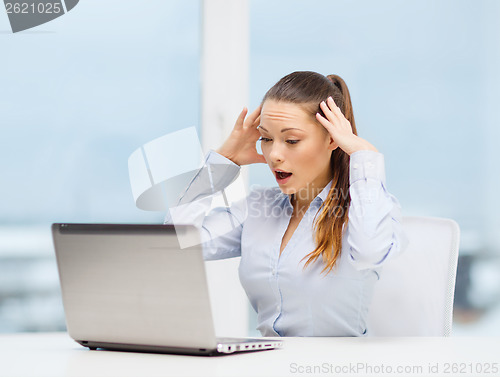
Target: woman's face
(295,143)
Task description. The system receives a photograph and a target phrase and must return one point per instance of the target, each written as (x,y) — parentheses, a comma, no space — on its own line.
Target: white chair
(414,296)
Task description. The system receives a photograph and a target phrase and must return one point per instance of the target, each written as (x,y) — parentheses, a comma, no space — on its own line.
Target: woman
(312,249)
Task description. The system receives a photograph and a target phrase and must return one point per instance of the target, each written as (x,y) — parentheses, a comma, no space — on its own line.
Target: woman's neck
(302,199)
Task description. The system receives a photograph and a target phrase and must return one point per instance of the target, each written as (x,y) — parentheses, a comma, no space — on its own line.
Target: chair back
(414,296)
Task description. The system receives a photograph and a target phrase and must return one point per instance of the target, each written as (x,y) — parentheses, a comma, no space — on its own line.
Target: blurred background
(81,93)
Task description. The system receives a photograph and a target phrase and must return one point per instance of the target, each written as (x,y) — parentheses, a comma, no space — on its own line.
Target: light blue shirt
(290,300)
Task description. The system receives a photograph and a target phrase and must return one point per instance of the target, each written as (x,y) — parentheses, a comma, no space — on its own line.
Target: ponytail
(346,100)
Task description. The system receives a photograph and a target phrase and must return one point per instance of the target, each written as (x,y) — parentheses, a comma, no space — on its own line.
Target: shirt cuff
(366,165)
(216,158)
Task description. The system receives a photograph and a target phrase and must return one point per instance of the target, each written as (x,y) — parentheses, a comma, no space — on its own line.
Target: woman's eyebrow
(284,129)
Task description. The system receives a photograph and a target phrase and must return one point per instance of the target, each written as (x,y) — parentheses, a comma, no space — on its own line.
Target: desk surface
(55,354)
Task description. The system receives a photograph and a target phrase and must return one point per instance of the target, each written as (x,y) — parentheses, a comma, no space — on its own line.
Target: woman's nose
(276,153)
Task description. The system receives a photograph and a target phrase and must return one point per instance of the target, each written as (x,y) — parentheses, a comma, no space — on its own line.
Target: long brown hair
(308,89)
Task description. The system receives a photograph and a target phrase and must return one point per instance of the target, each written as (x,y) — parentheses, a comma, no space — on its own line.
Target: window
(79,95)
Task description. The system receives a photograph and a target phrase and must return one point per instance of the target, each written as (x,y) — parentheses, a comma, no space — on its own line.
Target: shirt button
(274,271)
(355,166)
(278,308)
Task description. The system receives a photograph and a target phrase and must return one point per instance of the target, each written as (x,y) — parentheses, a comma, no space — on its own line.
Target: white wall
(225,90)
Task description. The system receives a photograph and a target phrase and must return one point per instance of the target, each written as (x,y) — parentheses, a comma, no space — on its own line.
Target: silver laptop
(131,287)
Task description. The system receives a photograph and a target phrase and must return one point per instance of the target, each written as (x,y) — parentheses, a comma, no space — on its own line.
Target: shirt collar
(324,193)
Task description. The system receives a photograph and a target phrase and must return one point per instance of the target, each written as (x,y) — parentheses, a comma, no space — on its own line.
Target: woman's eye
(266,139)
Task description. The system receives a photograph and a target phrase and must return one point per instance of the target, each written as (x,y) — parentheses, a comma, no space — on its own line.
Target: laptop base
(226,348)
(149,349)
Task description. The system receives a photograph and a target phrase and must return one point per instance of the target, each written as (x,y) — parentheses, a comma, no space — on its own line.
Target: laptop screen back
(132,284)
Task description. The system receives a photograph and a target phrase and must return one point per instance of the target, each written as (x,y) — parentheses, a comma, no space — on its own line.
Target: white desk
(55,354)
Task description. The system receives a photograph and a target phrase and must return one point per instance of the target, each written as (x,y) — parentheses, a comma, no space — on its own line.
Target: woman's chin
(287,190)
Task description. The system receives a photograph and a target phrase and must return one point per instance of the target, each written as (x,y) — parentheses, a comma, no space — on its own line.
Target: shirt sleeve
(374,231)
(206,205)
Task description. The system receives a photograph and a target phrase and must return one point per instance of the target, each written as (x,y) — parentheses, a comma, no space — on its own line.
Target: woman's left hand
(340,128)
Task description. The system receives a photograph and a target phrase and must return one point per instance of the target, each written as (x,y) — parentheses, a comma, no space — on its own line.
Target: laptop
(132,288)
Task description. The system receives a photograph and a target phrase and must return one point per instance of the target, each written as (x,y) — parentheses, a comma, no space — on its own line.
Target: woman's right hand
(240,147)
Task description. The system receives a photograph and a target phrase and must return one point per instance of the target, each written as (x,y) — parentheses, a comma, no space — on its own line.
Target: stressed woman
(312,248)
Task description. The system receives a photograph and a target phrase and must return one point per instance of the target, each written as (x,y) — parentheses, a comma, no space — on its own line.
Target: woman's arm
(374,230)
(220,227)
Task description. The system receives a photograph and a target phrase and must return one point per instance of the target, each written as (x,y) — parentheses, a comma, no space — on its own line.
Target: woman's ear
(332,144)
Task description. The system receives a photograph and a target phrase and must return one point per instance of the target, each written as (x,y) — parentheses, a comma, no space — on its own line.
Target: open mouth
(282,174)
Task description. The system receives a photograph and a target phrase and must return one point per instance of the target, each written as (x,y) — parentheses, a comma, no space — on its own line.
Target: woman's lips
(282,177)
